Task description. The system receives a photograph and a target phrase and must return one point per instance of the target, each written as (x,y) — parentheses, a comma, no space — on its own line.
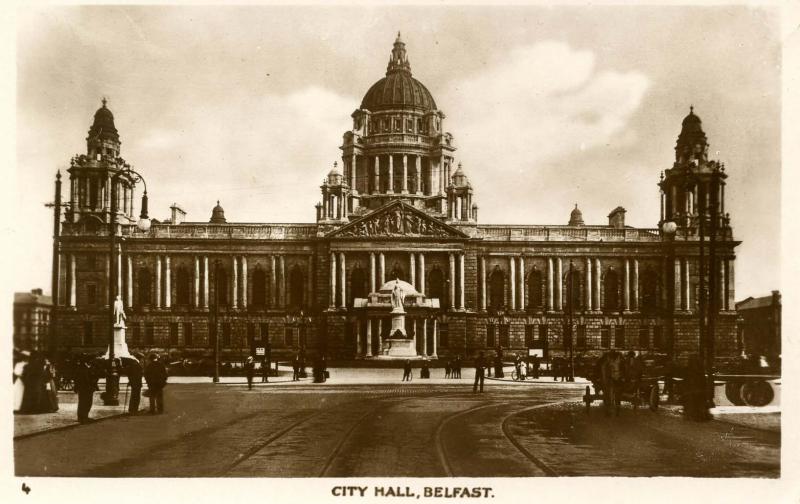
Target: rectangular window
(605,337)
(619,336)
(149,334)
(530,335)
(658,337)
(91,294)
(490,335)
(504,340)
(288,337)
(580,341)
(88,332)
(187,334)
(173,334)
(444,334)
(644,337)
(226,334)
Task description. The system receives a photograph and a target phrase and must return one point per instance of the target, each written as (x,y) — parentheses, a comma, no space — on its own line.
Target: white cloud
(528,114)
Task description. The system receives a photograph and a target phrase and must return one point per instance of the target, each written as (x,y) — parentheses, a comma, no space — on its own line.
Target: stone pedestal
(120,346)
(400,347)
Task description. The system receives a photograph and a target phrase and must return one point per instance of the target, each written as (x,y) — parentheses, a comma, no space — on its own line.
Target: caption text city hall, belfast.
(400,208)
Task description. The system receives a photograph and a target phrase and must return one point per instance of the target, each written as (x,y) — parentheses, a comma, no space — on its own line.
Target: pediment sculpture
(396,221)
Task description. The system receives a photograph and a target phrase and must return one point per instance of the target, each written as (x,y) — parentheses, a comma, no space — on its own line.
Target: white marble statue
(398,296)
(119,313)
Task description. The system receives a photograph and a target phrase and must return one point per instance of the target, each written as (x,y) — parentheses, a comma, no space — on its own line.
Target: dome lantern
(218,215)
(576,217)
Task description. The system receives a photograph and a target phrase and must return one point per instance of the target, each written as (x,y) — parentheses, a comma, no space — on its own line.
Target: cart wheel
(655,398)
(757,393)
(733,391)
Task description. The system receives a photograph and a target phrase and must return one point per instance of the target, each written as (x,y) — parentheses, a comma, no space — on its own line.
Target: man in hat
(156,377)
(134,372)
(249,370)
(85,386)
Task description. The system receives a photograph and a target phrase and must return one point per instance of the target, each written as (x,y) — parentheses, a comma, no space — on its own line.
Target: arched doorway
(572,286)
(183,287)
(611,291)
(221,287)
(535,289)
(497,289)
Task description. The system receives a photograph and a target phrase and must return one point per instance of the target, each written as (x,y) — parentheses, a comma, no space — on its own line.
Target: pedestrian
(424,370)
(85,386)
(265,370)
(695,406)
(33,381)
(249,371)
(407,370)
(458,367)
(134,372)
(156,377)
(447,369)
(613,380)
(49,396)
(480,364)
(535,365)
(296,368)
(19,388)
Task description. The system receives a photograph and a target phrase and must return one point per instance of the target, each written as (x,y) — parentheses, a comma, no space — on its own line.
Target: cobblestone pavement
(395,429)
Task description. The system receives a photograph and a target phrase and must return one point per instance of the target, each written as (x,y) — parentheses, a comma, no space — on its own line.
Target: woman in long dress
(19,386)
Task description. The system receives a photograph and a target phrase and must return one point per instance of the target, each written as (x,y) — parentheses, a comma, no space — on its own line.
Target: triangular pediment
(394,220)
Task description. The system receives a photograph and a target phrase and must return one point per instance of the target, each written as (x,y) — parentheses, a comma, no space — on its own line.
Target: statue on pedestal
(398,297)
(119,313)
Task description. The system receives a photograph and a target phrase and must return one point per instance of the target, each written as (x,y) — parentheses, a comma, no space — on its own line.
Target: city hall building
(400,208)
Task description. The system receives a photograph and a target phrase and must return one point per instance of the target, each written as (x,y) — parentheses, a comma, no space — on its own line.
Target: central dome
(398,89)
(406,287)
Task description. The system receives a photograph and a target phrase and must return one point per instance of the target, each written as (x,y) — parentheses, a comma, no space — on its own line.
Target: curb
(67,427)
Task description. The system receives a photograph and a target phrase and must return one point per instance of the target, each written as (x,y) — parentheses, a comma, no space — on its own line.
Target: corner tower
(397,147)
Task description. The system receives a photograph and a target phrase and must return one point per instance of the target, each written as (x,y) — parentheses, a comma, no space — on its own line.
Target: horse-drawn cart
(615,379)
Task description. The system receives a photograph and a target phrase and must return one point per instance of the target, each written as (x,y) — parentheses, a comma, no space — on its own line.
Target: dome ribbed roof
(103,124)
(218,215)
(691,123)
(576,217)
(398,89)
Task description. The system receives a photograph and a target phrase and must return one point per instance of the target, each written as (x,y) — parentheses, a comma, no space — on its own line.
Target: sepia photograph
(377,249)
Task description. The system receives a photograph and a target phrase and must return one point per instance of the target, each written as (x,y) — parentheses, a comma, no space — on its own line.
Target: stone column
(442,184)
(158,281)
(512,299)
(483,283)
(626,286)
(369,338)
(549,284)
(405,174)
(359,350)
(244,282)
(588,282)
(419,175)
(559,284)
(205,281)
(381,270)
(325,202)
(371,272)
(235,283)
(412,269)
(376,170)
(635,285)
(129,292)
(196,281)
(687,299)
(282,281)
(273,281)
(731,291)
(332,282)
(677,285)
(72,282)
(424,337)
(421,289)
(343,279)
(521,283)
(167,282)
(435,336)
(380,337)
(107,289)
(461,288)
(118,291)
(722,292)
(391,175)
(596,291)
(452,303)
(353,168)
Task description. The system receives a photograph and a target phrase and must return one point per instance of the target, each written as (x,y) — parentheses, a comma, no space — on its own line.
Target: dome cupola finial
(398,61)
(692,142)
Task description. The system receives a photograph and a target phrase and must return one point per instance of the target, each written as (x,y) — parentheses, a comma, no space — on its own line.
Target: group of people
(35,388)
(452,369)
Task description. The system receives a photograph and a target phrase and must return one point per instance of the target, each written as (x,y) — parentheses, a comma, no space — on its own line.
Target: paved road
(395,430)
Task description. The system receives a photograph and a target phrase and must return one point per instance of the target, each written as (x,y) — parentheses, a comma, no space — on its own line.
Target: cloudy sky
(549,106)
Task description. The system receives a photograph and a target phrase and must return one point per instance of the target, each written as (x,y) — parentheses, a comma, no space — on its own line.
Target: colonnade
(408,166)
(82,187)
(367,346)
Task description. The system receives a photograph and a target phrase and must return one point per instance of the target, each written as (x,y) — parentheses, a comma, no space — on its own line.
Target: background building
(32,320)
(760,327)
(400,207)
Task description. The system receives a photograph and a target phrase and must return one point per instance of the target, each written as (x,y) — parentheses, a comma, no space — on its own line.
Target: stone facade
(397,210)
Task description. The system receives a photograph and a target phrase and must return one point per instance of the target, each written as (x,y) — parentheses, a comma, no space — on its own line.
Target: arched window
(296,287)
(259,287)
(183,287)
(649,290)
(497,289)
(573,289)
(358,284)
(221,287)
(535,287)
(436,286)
(143,286)
(611,290)
(397,273)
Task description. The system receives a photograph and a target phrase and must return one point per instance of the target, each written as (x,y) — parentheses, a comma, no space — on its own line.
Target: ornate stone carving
(395,221)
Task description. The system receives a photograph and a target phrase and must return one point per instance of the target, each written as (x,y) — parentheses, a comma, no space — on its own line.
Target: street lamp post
(110,397)
(215,314)
(570,308)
